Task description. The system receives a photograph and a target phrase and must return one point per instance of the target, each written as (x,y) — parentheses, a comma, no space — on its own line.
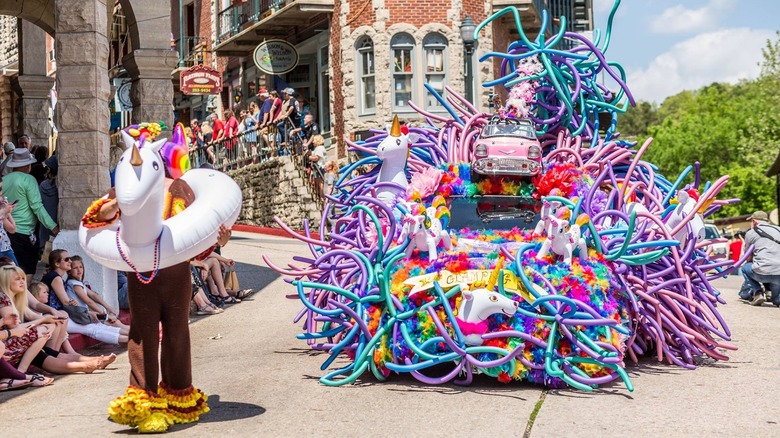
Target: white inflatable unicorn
(477,305)
(141,240)
(686,202)
(564,239)
(549,208)
(427,230)
(394,151)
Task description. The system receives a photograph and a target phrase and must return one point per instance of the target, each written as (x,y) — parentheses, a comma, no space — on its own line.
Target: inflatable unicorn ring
(141,240)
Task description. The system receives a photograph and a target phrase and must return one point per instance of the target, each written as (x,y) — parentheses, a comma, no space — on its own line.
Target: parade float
(476,245)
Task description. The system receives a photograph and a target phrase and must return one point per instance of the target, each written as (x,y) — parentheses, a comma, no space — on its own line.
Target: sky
(670,46)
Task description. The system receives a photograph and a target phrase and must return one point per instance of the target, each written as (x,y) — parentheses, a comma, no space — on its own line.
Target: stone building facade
(351,50)
(378,26)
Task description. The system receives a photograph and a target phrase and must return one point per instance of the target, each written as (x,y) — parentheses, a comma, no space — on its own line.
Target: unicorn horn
(494,275)
(135,158)
(395,130)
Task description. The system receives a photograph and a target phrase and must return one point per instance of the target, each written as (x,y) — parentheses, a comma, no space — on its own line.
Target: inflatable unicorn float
(152,226)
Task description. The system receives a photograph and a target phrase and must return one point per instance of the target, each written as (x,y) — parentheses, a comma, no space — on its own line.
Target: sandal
(244,293)
(38,380)
(209,310)
(9,385)
(230,300)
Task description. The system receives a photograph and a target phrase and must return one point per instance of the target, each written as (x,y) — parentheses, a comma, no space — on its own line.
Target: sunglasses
(66,259)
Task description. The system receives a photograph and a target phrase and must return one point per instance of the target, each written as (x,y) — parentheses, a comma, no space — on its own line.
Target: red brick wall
(474,9)
(361,13)
(337,82)
(417,12)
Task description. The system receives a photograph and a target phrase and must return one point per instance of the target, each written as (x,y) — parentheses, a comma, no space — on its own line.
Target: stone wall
(274,188)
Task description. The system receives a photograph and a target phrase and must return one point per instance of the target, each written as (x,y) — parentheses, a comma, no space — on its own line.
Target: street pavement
(262,381)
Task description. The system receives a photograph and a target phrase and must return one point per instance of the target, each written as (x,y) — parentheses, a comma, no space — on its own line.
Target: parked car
(507,147)
(719,246)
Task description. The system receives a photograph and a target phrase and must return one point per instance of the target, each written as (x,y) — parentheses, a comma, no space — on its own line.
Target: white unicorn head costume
(141,240)
(394,151)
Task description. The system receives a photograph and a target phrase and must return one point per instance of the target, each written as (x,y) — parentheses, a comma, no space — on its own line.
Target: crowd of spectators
(37,316)
(277,123)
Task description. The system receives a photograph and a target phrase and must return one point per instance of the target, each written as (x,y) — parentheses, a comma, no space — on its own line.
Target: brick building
(359,61)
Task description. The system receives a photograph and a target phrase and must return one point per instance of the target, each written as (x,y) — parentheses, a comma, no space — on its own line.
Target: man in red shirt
(230,131)
(735,246)
(218,128)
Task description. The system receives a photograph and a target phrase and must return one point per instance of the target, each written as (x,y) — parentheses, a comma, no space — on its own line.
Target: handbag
(231,281)
(78,314)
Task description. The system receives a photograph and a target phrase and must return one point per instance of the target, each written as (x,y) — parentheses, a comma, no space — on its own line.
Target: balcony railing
(233,19)
(193,50)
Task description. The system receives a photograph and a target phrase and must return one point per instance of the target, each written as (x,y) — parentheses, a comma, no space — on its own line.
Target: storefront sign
(275,57)
(200,79)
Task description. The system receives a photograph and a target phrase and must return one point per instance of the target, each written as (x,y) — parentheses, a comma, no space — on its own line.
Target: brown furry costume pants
(165,300)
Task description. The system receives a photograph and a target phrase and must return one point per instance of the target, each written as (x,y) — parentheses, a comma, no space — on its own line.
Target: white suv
(719,247)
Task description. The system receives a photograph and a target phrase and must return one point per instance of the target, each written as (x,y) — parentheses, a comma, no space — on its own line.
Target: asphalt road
(262,381)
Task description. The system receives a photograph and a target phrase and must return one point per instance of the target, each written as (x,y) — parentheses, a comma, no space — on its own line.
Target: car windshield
(711,233)
(517,129)
(494,212)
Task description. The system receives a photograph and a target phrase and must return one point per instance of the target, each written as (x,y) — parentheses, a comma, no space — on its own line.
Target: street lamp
(467,35)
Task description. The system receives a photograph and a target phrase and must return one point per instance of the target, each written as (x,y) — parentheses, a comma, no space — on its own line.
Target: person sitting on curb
(763,266)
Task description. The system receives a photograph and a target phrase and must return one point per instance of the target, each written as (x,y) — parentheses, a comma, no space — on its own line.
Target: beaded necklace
(138,275)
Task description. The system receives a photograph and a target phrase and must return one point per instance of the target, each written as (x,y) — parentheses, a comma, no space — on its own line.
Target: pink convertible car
(507,147)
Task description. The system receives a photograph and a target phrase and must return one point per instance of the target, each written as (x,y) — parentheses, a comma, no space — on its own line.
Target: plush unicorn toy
(394,151)
(477,305)
(427,230)
(562,241)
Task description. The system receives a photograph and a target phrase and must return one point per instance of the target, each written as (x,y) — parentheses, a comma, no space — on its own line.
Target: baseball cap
(9,147)
(289,91)
(759,216)
(262,92)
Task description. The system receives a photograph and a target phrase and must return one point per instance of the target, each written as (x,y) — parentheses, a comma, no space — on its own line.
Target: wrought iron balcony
(246,23)
(193,50)
(234,18)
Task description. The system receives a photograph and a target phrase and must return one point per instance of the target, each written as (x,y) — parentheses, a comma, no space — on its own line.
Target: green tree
(636,121)
(729,129)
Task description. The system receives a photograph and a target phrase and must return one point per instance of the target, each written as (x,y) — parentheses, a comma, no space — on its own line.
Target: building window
(402,46)
(435,47)
(366,69)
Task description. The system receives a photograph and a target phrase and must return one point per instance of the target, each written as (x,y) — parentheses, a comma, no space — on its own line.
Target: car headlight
(534,152)
(481,151)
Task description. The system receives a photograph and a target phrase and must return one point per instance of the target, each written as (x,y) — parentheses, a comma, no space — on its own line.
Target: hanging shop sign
(275,57)
(200,79)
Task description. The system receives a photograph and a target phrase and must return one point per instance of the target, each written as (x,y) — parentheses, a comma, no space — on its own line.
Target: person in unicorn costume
(154,220)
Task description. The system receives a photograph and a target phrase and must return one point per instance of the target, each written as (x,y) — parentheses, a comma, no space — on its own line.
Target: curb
(269,231)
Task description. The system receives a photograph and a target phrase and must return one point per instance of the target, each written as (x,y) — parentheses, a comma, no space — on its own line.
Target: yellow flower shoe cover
(184,405)
(140,408)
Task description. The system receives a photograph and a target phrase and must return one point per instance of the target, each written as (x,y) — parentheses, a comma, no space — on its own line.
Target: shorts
(25,251)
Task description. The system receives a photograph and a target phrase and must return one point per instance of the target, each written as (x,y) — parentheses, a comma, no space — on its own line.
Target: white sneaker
(758,299)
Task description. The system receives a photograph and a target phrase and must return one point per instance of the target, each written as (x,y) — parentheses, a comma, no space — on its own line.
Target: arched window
(366,81)
(402,46)
(435,47)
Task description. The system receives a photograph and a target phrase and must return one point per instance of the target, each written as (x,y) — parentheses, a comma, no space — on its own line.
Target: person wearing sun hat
(763,266)
(21,188)
(8,151)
